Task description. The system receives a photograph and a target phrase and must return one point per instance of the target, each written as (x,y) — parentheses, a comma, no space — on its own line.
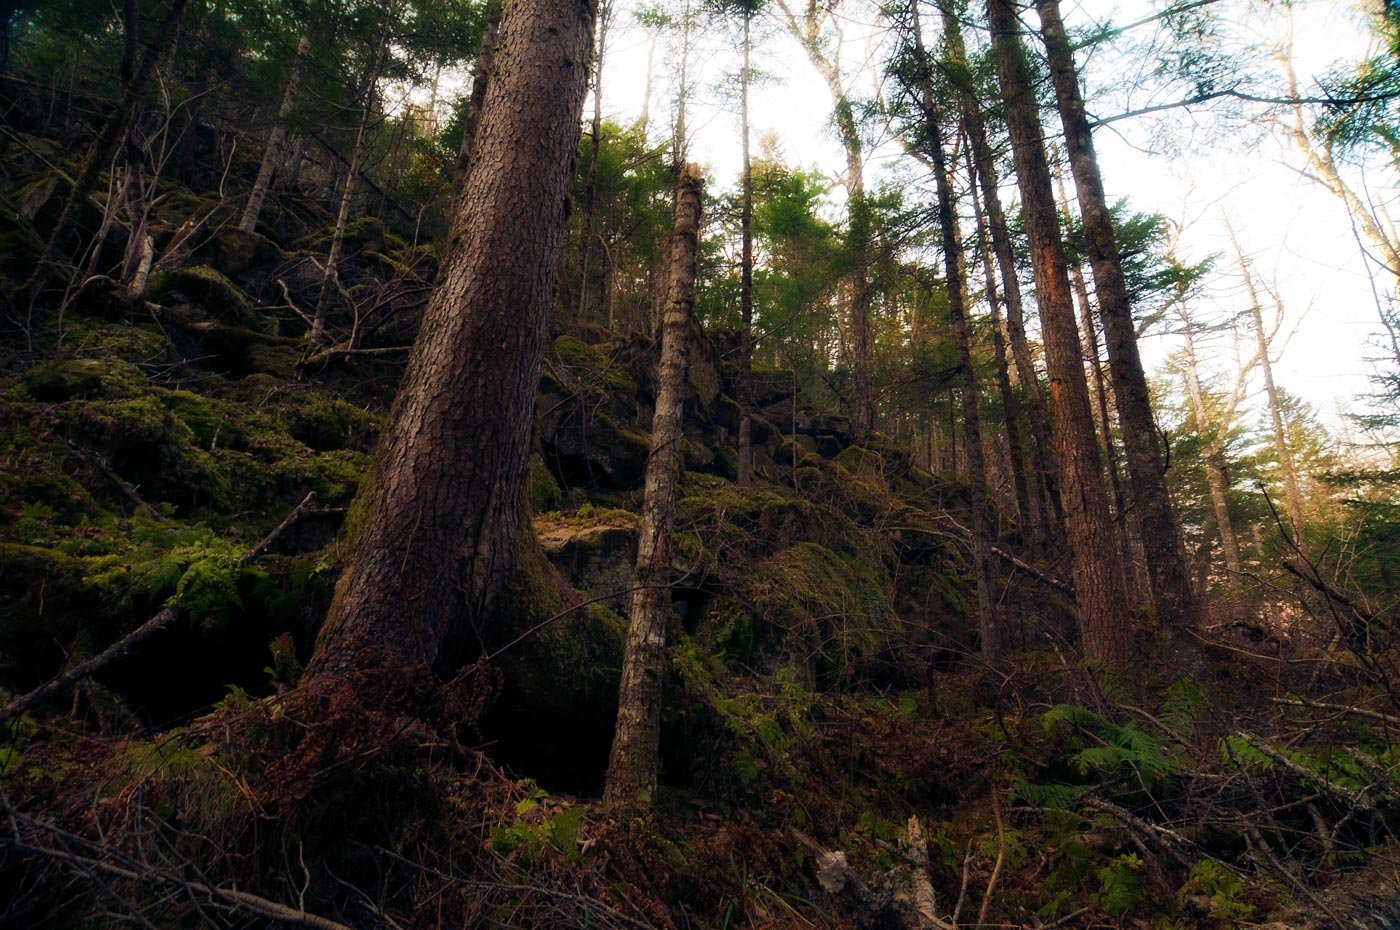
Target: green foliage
(1223,886)
(1122,885)
(536,831)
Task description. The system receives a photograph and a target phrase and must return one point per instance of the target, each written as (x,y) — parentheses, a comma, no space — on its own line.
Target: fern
(1183,707)
(1122,751)
(1057,797)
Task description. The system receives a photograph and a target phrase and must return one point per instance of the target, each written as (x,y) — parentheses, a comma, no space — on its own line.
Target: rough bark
(438,516)
(1178,611)
(980,149)
(746,272)
(135,77)
(1098,580)
(988,622)
(481,76)
(276,138)
(633,763)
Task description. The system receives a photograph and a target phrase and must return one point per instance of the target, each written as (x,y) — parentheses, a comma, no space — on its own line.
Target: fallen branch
(1059,584)
(132,870)
(1355,798)
(1340,708)
(128,643)
(1165,838)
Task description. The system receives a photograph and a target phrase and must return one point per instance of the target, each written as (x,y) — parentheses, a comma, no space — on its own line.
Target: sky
(1294,232)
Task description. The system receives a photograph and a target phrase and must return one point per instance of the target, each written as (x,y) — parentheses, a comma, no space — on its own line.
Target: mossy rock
(206,289)
(592,448)
(726,462)
(84,378)
(235,252)
(101,297)
(138,343)
(542,490)
(272,359)
(366,234)
(862,462)
(592,366)
(696,453)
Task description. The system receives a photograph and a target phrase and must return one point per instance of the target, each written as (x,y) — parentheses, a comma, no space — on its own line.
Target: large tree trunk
(272,152)
(1098,579)
(440,511)
(1177,609)
(633,764)
(988,622)
(980,149)
(746,273)
(135,76)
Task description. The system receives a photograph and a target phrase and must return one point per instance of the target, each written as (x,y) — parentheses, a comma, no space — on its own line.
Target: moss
(140,344)
(542,490)
(278,360)
(366,234)
(84,378)
(862,462)
(204,287)
(726,461)
(592,366)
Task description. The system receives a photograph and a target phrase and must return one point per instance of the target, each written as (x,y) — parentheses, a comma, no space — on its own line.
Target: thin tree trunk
(980,150)
(807,31)
(988,622)
(1105,418)
(1292,494)
(590,190)
(433,549)
(1178,611)
(644,120)
(272,152)
(633,763)
(1100,594)
(1028,502)
(109,137)
(746,275)
(1214,459)
(330,281)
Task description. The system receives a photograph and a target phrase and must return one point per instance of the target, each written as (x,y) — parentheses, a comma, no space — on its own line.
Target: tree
(953,263)
(1100,596)
(633,763)
(1175,602)
(425,537)
(825,56)
(975,124)
(276,138)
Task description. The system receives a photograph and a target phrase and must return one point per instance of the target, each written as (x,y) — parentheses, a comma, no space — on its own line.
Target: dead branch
(128,643)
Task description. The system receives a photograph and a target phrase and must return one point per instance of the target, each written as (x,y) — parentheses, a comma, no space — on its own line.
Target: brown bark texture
(633,763)
(1100,595)
(442,505)
(988,622)
(1177,609)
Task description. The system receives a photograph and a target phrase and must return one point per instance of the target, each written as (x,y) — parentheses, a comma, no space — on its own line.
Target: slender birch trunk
(634,763)
(276,138)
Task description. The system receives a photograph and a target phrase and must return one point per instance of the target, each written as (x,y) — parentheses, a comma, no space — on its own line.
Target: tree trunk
(590,190)
(481,75)
(807,31)
(633,763)
(1098,580)
(988,181)
(1028,502)
(1177,609)
(746,275)
(1214,459)
(135,76)
(272,152)
(988,622)
(443,504)
(1110,451)
(1292,494)
(330,280)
